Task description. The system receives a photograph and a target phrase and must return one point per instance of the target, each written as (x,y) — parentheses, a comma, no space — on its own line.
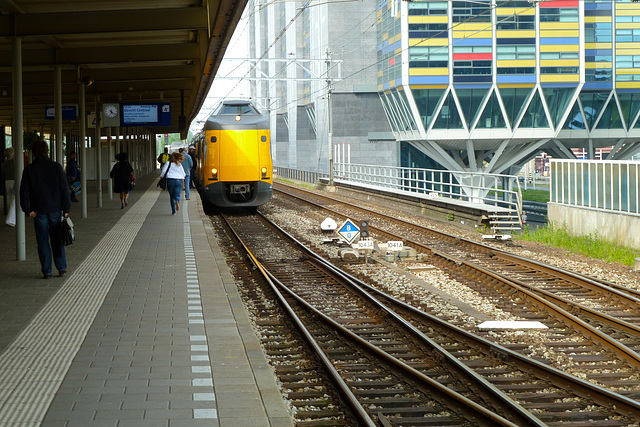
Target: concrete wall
(620,228)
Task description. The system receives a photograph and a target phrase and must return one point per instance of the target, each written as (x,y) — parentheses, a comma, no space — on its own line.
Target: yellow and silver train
(233,156)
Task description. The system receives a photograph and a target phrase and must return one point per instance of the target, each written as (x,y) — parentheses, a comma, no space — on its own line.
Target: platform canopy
(125,51)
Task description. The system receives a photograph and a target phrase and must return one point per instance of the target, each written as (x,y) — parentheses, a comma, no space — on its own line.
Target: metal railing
(612,185)
(298,175)
(473,187)
(501,191)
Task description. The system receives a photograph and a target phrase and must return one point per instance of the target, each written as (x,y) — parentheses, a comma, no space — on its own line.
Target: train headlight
(237,118)
(264,172)
(214,172)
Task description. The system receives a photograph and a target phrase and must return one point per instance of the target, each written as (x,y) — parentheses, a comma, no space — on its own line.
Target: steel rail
(351,400)
(631,295)
(581,387)
(472,409)
(623,351)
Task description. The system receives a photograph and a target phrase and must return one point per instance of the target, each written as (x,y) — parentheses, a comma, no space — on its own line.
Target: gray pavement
(147,328)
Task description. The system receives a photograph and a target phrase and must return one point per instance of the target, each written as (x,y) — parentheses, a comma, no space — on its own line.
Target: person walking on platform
(192,154)
(175,179)
(164,157)
(44,196)
(121,174)
(73,175)
(187,164)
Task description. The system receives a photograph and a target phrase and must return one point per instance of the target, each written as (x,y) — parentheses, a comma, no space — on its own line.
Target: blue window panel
(516,78)
(597,85)
(559,40)
(421,80)
(428,34)
(472,42)
(512,40)
(475,79)
(472,86)
(597,52)
(597,12)
(594,6)
(385,86)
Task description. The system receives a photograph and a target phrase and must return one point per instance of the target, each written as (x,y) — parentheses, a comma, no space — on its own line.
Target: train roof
(236,114)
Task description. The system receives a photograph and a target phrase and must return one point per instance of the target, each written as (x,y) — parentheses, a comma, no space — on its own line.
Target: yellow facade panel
(472,34)
(559,48)
(593,65)
(626,45)
(506,11)
(398,52)
(560,63)
(560,26)
(428,86)
(557,78)
(428,19)
(628,85)
(428,71)
(428,42)
(628,26)
(627,71)
(559,33)
(626,12)
(479,26)
(516,34)
(385,36)
(511,85)
(591,19)
(380,73)
(598,45)
(523,63)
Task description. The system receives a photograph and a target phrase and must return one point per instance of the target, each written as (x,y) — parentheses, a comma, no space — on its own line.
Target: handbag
(67,235)
(132,181)
(163,180)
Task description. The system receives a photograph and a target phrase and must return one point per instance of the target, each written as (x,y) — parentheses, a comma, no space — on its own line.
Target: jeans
(187,181)
(47,227)
(174,187)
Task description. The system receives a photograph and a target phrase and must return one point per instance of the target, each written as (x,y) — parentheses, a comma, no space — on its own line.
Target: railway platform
(146,329)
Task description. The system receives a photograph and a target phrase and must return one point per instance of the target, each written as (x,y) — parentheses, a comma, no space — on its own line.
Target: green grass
(592,245)
(535,195)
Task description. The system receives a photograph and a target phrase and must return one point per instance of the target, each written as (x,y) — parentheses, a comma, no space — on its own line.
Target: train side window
(214,139)
(263,138)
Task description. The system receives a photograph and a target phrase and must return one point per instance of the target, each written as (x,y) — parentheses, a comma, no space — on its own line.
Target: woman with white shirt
(175,179)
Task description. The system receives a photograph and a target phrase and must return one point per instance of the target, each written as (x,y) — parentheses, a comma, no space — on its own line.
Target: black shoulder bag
(163,180)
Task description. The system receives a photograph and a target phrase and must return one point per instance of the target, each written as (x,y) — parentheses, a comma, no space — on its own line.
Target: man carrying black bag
(44,196)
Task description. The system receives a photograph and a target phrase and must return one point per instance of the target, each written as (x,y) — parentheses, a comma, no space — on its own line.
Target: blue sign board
(69,112)
(146,114)
(349,231)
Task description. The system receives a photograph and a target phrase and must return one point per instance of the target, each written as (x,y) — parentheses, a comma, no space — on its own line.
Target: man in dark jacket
(44,196)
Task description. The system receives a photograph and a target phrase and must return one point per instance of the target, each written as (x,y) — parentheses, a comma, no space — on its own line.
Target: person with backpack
(164,157)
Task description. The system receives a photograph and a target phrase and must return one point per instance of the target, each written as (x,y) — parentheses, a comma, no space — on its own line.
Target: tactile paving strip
(34,365)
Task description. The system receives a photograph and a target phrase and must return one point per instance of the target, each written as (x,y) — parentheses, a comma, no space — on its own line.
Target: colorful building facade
(487,85)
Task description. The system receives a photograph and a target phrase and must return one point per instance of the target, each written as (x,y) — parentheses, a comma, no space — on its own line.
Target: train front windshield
(238,110)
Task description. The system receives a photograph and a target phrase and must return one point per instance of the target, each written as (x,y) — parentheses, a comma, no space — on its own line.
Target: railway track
(395,365)
(572,305)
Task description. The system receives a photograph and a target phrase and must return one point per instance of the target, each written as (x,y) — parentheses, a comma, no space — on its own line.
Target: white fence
(606,185)
(473,187)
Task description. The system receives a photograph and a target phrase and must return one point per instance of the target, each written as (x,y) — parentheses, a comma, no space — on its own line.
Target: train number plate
(240,189)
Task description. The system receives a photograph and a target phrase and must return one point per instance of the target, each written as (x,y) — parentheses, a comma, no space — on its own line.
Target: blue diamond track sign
(349,231)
